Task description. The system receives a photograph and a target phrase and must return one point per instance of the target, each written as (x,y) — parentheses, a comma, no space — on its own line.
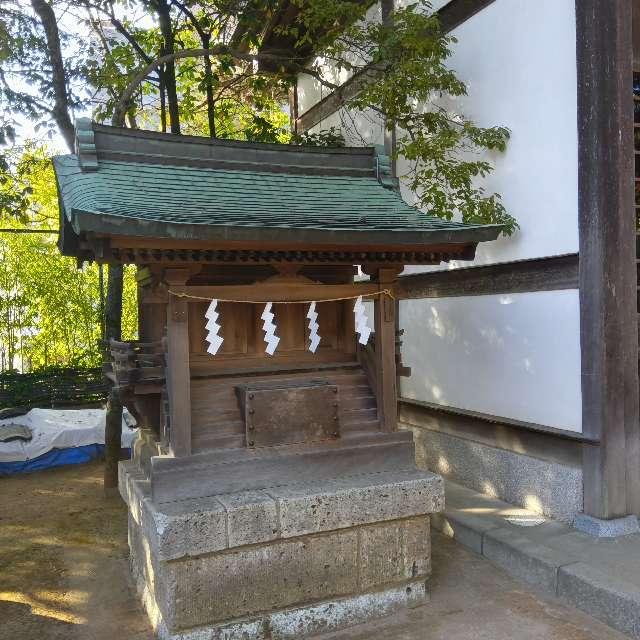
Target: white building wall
(515,356)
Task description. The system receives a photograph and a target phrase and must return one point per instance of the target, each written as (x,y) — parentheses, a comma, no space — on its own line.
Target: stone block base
(295,623)
(282,562)
(599,528)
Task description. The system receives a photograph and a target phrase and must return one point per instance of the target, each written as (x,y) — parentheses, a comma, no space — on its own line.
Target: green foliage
(414,92)
(49,309)
(331,137)
(53,386)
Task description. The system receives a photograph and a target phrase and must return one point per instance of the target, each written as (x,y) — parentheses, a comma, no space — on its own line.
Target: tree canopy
(211,68)
(49,309)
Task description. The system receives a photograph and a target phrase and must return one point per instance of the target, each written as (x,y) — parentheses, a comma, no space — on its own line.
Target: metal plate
(290,413)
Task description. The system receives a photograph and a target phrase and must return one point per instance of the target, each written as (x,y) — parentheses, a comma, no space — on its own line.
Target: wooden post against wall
(608,314)
(178,371)
(385,347)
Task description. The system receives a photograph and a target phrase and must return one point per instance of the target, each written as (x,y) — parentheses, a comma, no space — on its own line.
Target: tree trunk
(112,440)
(60,111)
(208,81)
(163,101)
(168,47)
(113,426)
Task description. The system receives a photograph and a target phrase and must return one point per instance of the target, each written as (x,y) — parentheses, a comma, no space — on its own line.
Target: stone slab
(241,582)
(601,576)
(177,529)
(533,563)
(252,517)
(243,469)
(356,500)
(394,552)
(599,528)
(234,558)
(611,600)
(197,526)
(463,530)
(237,583)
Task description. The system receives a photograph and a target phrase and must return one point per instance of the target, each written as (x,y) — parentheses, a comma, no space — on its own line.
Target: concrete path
(64,576)
(600,576)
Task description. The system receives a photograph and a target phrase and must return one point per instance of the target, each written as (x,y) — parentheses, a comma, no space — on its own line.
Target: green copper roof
(140,187)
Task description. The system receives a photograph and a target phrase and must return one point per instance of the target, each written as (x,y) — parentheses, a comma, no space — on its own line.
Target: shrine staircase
(216,420)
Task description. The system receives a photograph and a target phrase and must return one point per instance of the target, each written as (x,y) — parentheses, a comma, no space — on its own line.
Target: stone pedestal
(285,560)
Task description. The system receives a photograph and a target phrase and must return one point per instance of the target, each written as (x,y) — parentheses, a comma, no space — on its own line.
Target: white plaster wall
(516,356)
(518,60)
(359,129)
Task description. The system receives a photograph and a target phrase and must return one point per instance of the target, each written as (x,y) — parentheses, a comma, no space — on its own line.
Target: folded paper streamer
(314,338)
(360,314)
(214,338)
(269,329)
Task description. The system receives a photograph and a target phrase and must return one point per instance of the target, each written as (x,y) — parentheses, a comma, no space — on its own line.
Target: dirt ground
(63,559)
(64,575)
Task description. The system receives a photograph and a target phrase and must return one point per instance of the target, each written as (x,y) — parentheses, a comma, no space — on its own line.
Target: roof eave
(110,225)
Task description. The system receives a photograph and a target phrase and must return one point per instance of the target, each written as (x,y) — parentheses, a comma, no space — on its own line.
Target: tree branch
(218,50)
(60,109)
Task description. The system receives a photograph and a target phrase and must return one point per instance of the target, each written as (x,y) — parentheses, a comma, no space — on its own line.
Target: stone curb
(610,600)
(614,602)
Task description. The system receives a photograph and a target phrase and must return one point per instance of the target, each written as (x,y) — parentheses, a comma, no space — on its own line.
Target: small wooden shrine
(270,481)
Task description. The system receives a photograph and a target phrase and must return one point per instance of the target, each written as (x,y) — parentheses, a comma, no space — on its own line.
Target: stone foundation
(284,561)
(550,488)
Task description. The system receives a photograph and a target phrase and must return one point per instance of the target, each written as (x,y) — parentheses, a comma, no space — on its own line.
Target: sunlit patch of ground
(63,559)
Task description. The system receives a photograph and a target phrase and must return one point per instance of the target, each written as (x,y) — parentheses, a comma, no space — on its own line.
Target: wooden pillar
(385,348)
(177,367)
(608,314)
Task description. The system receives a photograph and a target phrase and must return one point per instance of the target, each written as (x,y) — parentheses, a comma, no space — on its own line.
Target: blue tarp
(53,458)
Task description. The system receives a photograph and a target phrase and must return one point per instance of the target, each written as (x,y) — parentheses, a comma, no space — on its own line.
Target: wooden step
(354,416)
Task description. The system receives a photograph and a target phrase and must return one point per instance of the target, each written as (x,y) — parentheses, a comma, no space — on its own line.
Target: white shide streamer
(360,314)
(314,338)
(269,329)
(214,338)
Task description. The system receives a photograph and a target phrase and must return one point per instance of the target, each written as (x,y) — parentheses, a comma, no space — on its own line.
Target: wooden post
(609,332)
(113,424)
(385,347)
(178,371)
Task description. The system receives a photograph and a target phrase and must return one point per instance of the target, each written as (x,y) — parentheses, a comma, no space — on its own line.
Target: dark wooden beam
(456,12)
(608,316)
(431,408)
(539,274)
